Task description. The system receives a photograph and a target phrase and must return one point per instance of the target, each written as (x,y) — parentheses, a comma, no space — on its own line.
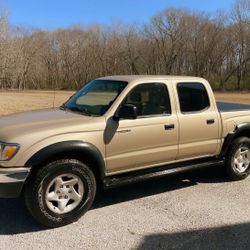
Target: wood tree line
(175,41)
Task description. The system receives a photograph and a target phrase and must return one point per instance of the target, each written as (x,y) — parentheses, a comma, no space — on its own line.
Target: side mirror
(127,111)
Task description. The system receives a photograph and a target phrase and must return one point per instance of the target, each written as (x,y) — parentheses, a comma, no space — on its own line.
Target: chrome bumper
(12,181)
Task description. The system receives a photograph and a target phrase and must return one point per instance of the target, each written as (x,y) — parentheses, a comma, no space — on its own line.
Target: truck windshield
(96,97)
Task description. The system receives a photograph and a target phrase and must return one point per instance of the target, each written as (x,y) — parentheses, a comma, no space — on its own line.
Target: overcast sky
(63,13)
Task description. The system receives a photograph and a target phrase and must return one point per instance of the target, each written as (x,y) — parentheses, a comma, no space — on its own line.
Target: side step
(141,175)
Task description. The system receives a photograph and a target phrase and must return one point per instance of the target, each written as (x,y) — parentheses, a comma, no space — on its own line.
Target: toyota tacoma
(114,131)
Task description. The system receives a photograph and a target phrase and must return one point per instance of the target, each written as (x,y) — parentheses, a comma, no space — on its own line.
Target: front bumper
(12,181)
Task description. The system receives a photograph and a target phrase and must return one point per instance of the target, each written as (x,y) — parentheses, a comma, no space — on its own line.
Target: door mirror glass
(127,111)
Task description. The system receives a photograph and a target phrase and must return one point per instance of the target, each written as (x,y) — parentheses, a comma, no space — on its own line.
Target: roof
(130,78)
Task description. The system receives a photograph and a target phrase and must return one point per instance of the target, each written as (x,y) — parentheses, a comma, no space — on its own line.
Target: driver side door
(149,140)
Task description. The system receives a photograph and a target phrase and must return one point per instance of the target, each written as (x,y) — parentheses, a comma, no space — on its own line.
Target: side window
(193,97)
(150,99)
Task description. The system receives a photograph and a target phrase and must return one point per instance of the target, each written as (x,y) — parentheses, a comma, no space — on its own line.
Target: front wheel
(60,192)
(238,159)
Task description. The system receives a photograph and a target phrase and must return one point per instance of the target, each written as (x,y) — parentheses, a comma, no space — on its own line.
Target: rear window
(193,97)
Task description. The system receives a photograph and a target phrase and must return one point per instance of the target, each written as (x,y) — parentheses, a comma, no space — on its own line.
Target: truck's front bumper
(12,181)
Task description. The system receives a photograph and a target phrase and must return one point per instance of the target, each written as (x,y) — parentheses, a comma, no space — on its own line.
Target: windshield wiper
(81,110)
(63,107)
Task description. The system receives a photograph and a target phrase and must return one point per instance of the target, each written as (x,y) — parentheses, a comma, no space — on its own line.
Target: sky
(52,14)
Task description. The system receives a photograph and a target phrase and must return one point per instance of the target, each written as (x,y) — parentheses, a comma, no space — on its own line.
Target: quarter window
(150,99)
(193,97)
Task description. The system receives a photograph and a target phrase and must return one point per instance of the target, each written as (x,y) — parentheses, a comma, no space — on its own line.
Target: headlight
(8,151)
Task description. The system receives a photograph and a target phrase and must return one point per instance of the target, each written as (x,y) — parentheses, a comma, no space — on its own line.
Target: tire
(60,192)
(238,159)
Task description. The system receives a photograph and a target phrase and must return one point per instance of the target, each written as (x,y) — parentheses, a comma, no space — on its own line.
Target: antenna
(54,100)
(54,97)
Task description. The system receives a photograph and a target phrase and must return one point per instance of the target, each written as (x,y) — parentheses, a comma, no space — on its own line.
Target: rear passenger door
(198,121)
(149,140)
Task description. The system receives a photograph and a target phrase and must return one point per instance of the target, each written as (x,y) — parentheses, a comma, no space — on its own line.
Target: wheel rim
(241,160)
(64,193)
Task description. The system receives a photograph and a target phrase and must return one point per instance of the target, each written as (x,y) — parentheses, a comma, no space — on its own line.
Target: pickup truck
(114,131)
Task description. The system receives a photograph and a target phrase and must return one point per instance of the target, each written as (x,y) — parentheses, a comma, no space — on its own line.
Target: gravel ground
(198,210)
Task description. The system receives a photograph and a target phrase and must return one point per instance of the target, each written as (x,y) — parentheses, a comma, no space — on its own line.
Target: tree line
(173,42)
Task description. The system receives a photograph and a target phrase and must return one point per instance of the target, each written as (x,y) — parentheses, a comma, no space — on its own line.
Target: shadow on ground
(158,186)
(223,238)
(15,219)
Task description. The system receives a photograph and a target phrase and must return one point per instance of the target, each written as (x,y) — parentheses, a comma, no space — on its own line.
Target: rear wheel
(60,192)
(238,159)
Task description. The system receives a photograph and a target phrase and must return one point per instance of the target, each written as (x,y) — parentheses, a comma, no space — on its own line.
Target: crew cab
(114,131)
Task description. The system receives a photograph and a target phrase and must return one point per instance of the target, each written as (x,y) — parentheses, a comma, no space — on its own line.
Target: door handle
(210,121)
(169,126)
(124,131)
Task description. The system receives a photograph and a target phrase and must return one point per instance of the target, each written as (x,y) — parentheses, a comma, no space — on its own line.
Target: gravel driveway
(198,210)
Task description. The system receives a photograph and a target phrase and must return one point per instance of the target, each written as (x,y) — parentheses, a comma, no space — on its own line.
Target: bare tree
(175,41)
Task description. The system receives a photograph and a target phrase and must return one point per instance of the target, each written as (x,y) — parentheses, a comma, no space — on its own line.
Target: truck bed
(228,107)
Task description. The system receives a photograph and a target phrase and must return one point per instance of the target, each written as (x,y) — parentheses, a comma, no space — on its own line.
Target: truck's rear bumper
(12,181)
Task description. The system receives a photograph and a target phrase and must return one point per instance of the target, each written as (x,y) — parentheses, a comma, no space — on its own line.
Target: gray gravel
(198,210)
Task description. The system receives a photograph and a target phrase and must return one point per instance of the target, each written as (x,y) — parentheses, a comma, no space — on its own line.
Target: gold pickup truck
(114,131)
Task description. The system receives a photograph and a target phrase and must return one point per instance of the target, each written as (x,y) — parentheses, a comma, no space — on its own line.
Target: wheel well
(245,133)
(230,138)
(85,158)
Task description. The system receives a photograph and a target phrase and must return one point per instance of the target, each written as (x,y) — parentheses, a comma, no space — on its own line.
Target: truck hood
(48,122)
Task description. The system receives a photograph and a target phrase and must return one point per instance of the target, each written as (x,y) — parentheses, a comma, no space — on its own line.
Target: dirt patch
(13,101)
(233,97)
